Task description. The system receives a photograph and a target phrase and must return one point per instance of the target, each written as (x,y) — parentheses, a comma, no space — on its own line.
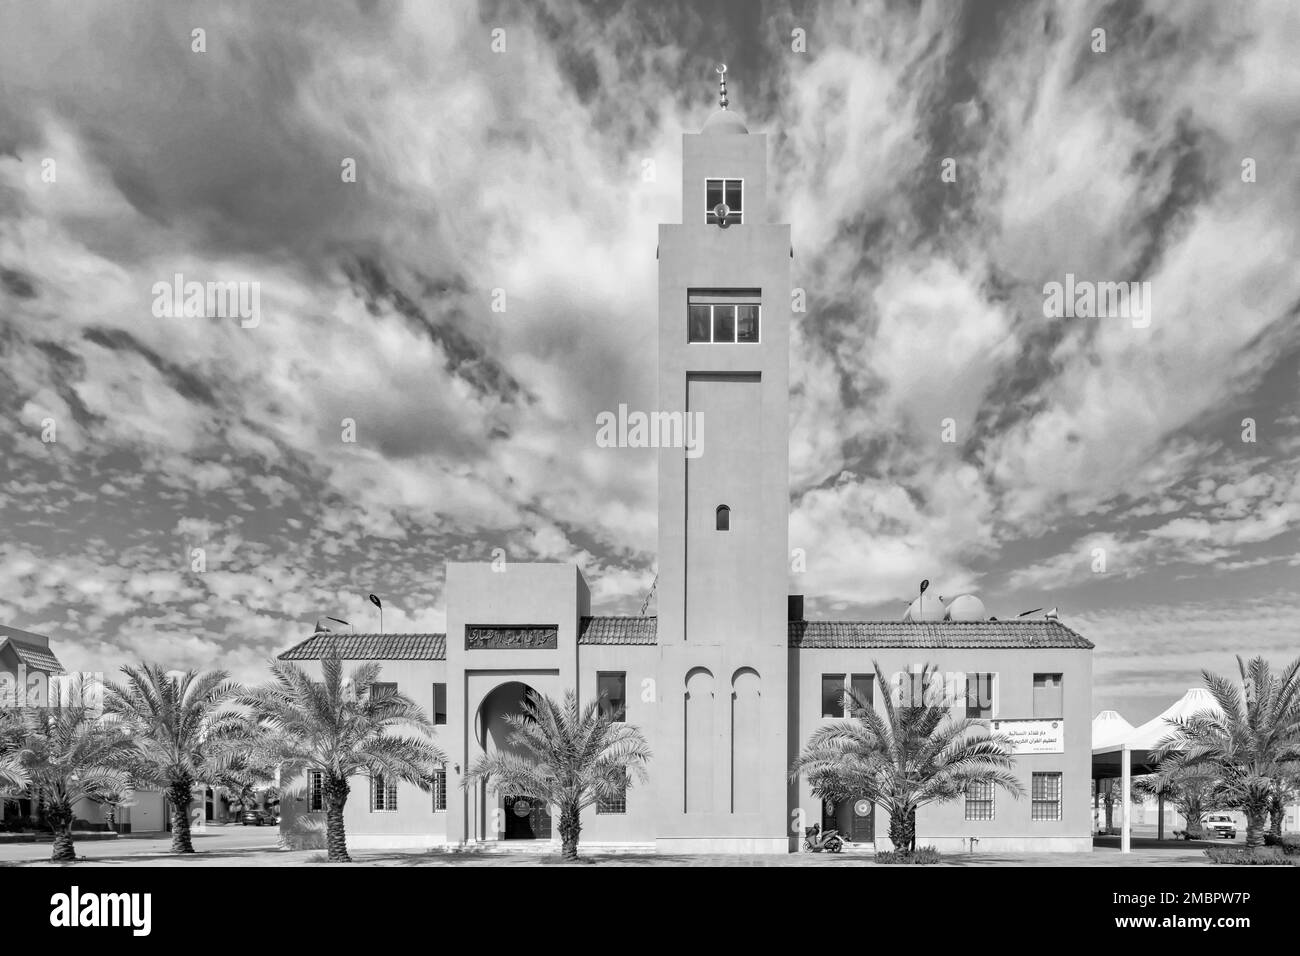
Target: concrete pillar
(1126,778)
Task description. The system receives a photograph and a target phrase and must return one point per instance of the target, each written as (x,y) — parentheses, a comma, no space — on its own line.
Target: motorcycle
(815,840)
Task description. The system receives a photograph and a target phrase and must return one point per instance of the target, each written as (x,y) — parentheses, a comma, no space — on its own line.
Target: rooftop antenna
(721,70)
(649,594)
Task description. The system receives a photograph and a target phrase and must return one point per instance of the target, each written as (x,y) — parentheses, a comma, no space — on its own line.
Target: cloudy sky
(126,157)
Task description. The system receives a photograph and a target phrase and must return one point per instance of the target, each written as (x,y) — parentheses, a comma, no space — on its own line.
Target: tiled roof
(370,647)
(37,658)
(619,630)
(984,634)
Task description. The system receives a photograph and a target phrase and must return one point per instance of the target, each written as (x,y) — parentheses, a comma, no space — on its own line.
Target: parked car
(257,818)
(1221,826)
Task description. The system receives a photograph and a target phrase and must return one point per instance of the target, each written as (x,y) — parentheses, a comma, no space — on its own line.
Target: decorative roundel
(862,808)
(523,808)
(722,211)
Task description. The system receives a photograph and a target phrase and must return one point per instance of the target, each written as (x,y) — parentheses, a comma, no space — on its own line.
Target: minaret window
(724,191)
(723,518)
(723,315)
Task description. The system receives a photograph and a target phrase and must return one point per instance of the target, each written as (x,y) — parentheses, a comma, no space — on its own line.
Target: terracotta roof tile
(38,658)
(625,629)
(371,647)
(938,634)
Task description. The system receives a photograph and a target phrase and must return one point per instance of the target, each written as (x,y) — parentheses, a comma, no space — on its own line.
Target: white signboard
(1033,736)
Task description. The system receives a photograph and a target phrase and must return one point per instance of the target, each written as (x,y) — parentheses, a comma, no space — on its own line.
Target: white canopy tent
(1118,747)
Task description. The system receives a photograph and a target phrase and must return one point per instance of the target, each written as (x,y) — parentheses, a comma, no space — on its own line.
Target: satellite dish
(722,211)
(967,607)
(1053,615)
(922,610)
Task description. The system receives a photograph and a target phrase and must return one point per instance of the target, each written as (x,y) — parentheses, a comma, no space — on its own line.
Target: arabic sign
(499,637)
(1033,736)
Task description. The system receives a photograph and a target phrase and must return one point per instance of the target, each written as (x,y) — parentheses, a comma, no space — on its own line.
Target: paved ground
(257,846)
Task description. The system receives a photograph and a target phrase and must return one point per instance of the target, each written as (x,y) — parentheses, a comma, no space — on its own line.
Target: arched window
(723,516)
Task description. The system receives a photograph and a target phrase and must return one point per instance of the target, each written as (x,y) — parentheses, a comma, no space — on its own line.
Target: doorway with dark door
(862,821)
(527,819)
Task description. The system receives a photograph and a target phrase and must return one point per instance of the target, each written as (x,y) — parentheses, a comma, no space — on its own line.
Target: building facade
(728,679)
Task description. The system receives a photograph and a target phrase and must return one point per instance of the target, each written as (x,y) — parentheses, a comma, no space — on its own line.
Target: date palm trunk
(1276,810)
(570,827)
(60,819)
(336,836)
(181,794)
(1254,828)
(902,830)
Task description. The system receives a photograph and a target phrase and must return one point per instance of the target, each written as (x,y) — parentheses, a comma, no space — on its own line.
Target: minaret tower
(724,317)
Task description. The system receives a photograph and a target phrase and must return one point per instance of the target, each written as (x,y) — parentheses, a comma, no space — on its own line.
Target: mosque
(729,679)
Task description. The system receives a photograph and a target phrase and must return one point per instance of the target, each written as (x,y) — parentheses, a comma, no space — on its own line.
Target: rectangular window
(863,687)
(724,316)
(746,323)
(979,801)
(611,688)
(729,191)
(439,704)
(701,322)
(979,696)
(383,794)
(439,789)
(832,695)
(1045,791)
(379,690)
(1049,699)
(724,323)
(614,804)
(315,790)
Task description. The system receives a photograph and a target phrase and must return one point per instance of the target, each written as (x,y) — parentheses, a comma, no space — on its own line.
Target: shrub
(1289,842)
(922,857)
(1240,856)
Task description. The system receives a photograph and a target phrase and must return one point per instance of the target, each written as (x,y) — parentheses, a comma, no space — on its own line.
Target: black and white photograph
(736,437)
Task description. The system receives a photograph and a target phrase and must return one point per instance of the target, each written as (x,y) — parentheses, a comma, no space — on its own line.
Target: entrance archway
(507,818)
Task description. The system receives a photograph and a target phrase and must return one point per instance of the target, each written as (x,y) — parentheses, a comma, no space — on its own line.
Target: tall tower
(724,317)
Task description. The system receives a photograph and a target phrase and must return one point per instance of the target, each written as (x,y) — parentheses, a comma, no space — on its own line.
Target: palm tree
(1110,789)
(327,728)
(13,777)
(183,735)
(1286,783)
(915,754)
(1247,743)
(1194,792)
(571,758)
(71,755)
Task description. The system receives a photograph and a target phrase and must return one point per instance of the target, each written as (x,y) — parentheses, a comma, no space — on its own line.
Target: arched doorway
(508,818)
